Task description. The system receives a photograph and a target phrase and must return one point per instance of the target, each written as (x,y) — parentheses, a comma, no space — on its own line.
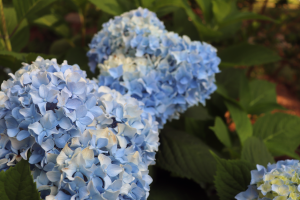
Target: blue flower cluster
(168,73)
(86,142)
(278,181)
(138,28)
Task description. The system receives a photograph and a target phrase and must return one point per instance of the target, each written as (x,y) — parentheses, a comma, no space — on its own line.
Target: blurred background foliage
(253,116)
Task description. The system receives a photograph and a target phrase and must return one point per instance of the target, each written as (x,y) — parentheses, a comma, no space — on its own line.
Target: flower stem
(6,36)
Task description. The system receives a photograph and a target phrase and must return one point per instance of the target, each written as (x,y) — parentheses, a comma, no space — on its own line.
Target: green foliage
(280,132)
(255,151)
(247,55)
(221,132)
(186,155)
(242,122)
(232,177)
(17,183)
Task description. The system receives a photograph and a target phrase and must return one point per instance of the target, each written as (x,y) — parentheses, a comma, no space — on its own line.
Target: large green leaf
(232,177)
(255,151)
(244,92)
(12,60)
(17,183)
(29,7)
(185,155)
(247,55)
(221,132)
(242,122)
(262,92)
(280,132)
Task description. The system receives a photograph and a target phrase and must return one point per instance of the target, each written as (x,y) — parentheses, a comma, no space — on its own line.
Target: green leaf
(255,151)
(19,37)
(232,177)
(244,92)
(240,16)
(260,108)
(12,60)
(198,112)
(185,155)
(223,8)
(242,122)
(280,132)
(204,31)
(54,23)
(109,6)
(206,8)
(262,92)
(29,7)
(221,132)
(247,55)
(17,183)
(230,80)
(60,47)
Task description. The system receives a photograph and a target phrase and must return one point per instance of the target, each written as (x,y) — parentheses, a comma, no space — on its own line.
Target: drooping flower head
(85,141)
(168,73)
(277,181)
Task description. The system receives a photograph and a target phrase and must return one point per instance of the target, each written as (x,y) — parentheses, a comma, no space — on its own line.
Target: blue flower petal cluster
(168,73)
(277,181)
(135,29)
(86,142)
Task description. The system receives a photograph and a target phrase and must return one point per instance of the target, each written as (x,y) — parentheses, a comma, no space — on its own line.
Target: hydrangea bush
(278,181)
(85,141)
(168,73)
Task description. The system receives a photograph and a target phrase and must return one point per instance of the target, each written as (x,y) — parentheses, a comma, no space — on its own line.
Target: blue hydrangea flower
(86,141)
(277,181)
(166,72)
(135,29)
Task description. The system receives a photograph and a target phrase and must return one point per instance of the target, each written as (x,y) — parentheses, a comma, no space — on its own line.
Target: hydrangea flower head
(86,142)
(277,181)
(179,74)
(133,32)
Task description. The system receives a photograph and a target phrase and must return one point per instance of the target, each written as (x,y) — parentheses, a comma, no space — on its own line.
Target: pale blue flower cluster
(168,73)
(136,29)
(280,181)
(86,142)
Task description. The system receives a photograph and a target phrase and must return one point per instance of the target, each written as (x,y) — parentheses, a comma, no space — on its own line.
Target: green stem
(6,36)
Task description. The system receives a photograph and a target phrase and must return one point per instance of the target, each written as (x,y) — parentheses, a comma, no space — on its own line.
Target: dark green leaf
(262,92)
(255,151)
(247,55)
(245,16)
(53,22)
(230,80)
(60,47)
(280,132)
(29,7)
(232,177)
(198,112)
(221,132)
(18,183)
(12,60)
(185,155)
(244,92)
(242,122)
